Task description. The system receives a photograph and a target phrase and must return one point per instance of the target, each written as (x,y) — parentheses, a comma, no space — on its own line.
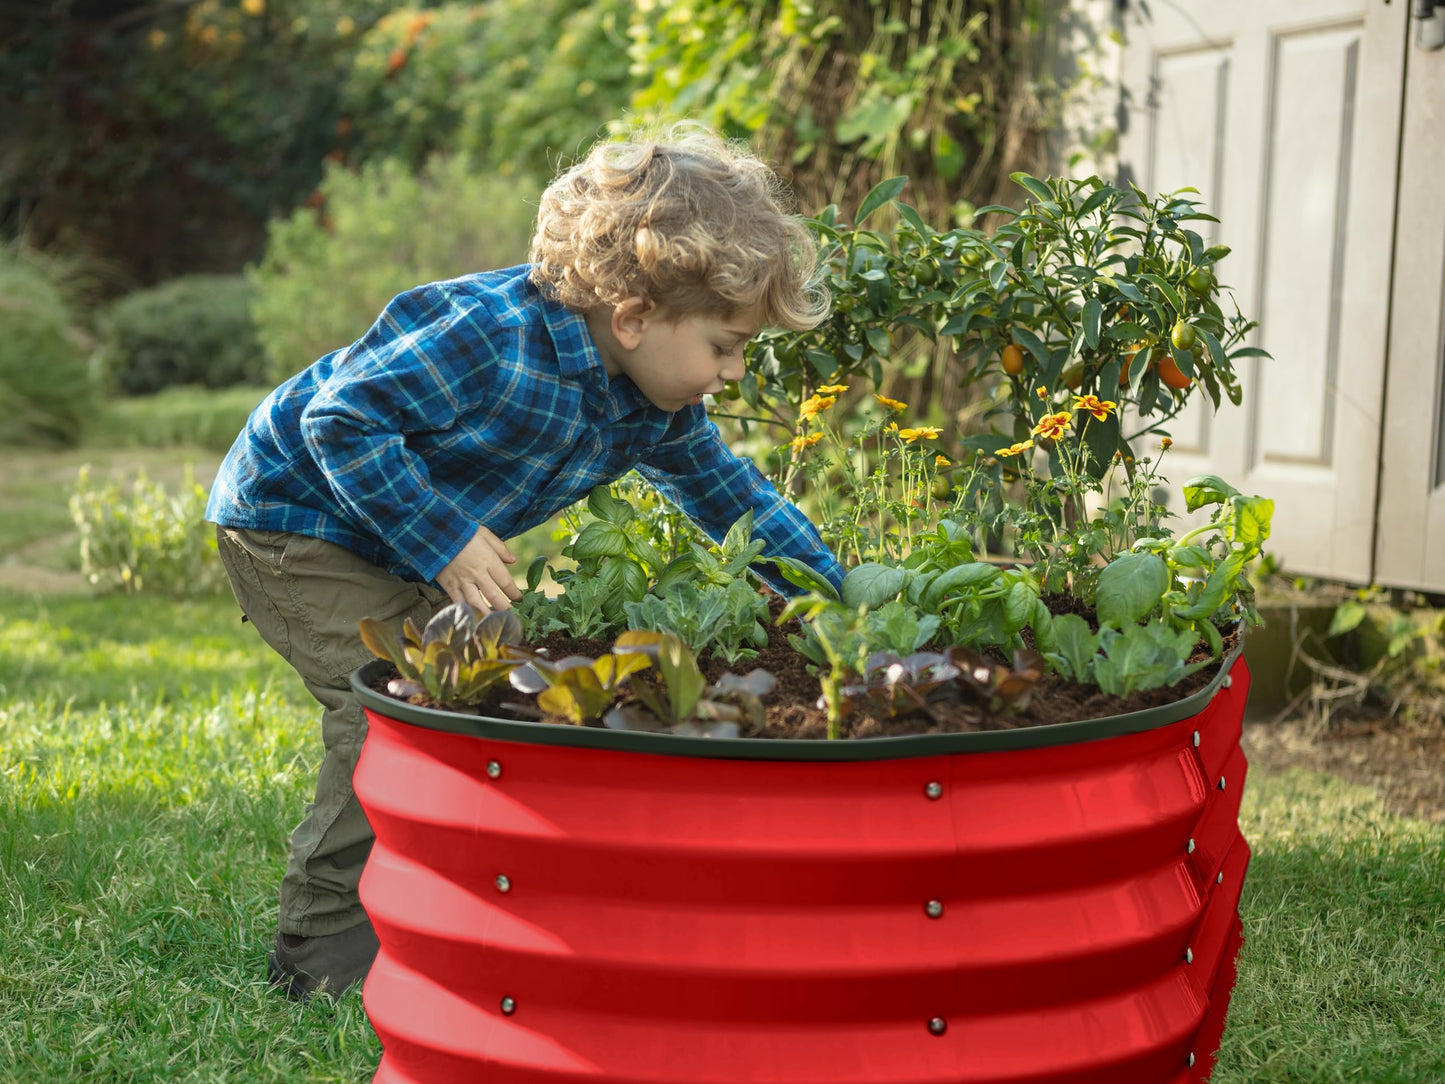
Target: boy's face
(674,363)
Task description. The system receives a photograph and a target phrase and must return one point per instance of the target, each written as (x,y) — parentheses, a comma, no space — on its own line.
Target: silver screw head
(1228,680)
(494,769)
(1220,879)
(938,1025)
(1190,849)
(1221,782)
(1196,739)
(1191,1059)
(934,790)
(504,883)
(1189,956)
(508,1006)
(933,908)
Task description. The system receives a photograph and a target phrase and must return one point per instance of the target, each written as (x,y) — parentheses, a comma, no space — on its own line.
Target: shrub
(381,231)
(195,329)
(152,540)
(176,417)
(45,382)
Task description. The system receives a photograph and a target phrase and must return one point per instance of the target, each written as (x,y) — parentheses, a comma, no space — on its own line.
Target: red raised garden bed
(574,904)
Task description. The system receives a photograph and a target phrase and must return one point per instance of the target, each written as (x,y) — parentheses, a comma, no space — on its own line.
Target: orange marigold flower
(891,404)
(1099,408)
(1042,392)
(815,405)
(799,443)
(1165,442)
(923,432)
(1016,449)
(941,461)
(1053,426)
(832,389)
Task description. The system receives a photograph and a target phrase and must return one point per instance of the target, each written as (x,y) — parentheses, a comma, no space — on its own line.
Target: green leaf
(801,575)
(383,642)
(1252,517)
(882,192)
(739,534)
(1077,645)
(1093,314)
(872,585)
(975,574)
(605,506)
(599,539)
(1217,589)
(1348,616)
(1035,187)
(1130,587)
(1206,489)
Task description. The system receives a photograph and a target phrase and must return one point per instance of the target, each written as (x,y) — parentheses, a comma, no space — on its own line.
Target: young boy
(382,480)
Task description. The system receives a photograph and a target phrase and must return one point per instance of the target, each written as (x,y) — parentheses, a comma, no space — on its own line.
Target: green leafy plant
(679,700)
(45,383)
(195,329)
(152,539)
(577,688)
(384,229)
(456,660)
(727,620)
(1121,662)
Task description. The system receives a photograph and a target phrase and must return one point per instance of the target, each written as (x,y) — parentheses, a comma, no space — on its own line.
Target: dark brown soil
(794,710)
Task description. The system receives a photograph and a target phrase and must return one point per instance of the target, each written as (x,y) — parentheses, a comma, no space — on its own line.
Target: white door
(1410,547)
(1284,114)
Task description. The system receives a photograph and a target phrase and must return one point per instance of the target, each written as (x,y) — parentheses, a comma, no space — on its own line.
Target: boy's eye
(724,351)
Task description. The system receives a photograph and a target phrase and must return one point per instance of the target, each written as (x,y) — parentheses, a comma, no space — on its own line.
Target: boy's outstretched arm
(693,467)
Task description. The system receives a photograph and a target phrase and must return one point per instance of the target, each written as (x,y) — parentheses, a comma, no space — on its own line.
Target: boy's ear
(630,318)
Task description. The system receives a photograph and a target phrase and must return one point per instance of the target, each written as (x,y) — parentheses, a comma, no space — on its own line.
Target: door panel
(1411,529)
(1259,106)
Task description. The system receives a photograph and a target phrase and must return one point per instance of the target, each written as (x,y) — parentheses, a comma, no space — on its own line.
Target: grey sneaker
(332,964)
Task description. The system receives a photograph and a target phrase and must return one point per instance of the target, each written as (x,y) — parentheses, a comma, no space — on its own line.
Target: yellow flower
(832,389)
(254,8)
(799,443)
(1053,426)
(345,25)
(942,461)
(923,432)
(157,38)
(1042,392)
(1016,449)
(1099,408)
(891,427)
(891,404)
(815,405)
(1165,442)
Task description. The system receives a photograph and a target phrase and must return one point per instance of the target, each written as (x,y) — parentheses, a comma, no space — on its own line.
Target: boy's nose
(733,370)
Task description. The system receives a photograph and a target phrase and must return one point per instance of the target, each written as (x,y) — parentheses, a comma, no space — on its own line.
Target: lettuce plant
(455,660)
(576,687)
(726,620)
(680,701)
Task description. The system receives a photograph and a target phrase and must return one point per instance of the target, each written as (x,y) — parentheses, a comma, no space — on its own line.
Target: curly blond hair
(683,219)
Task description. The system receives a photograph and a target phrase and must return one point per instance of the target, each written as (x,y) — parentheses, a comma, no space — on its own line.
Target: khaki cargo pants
(306,598)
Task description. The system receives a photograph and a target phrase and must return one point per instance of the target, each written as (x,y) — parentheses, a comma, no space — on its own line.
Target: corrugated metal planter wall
(577,905)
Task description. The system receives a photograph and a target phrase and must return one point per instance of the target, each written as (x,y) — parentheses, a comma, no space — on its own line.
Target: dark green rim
(890,748)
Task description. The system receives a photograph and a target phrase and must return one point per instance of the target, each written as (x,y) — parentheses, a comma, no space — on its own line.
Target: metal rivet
(504,883)
(1196,739)
(938,1025)
(1191,1059)
(1228,680)
(934,790)
(1220,879)
(494,769)
(1189,956)
(1190,849)
(933,908)
(508,1006)
(1221,782)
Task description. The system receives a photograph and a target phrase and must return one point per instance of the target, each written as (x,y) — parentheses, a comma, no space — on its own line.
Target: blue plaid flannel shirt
(479,401)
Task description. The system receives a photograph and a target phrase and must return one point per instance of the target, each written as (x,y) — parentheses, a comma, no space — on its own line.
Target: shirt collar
(579,358)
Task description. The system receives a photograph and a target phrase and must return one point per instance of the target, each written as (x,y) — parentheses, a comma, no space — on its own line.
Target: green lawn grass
(154,754)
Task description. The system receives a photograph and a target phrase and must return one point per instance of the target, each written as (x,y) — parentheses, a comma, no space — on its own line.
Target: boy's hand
(478,575)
